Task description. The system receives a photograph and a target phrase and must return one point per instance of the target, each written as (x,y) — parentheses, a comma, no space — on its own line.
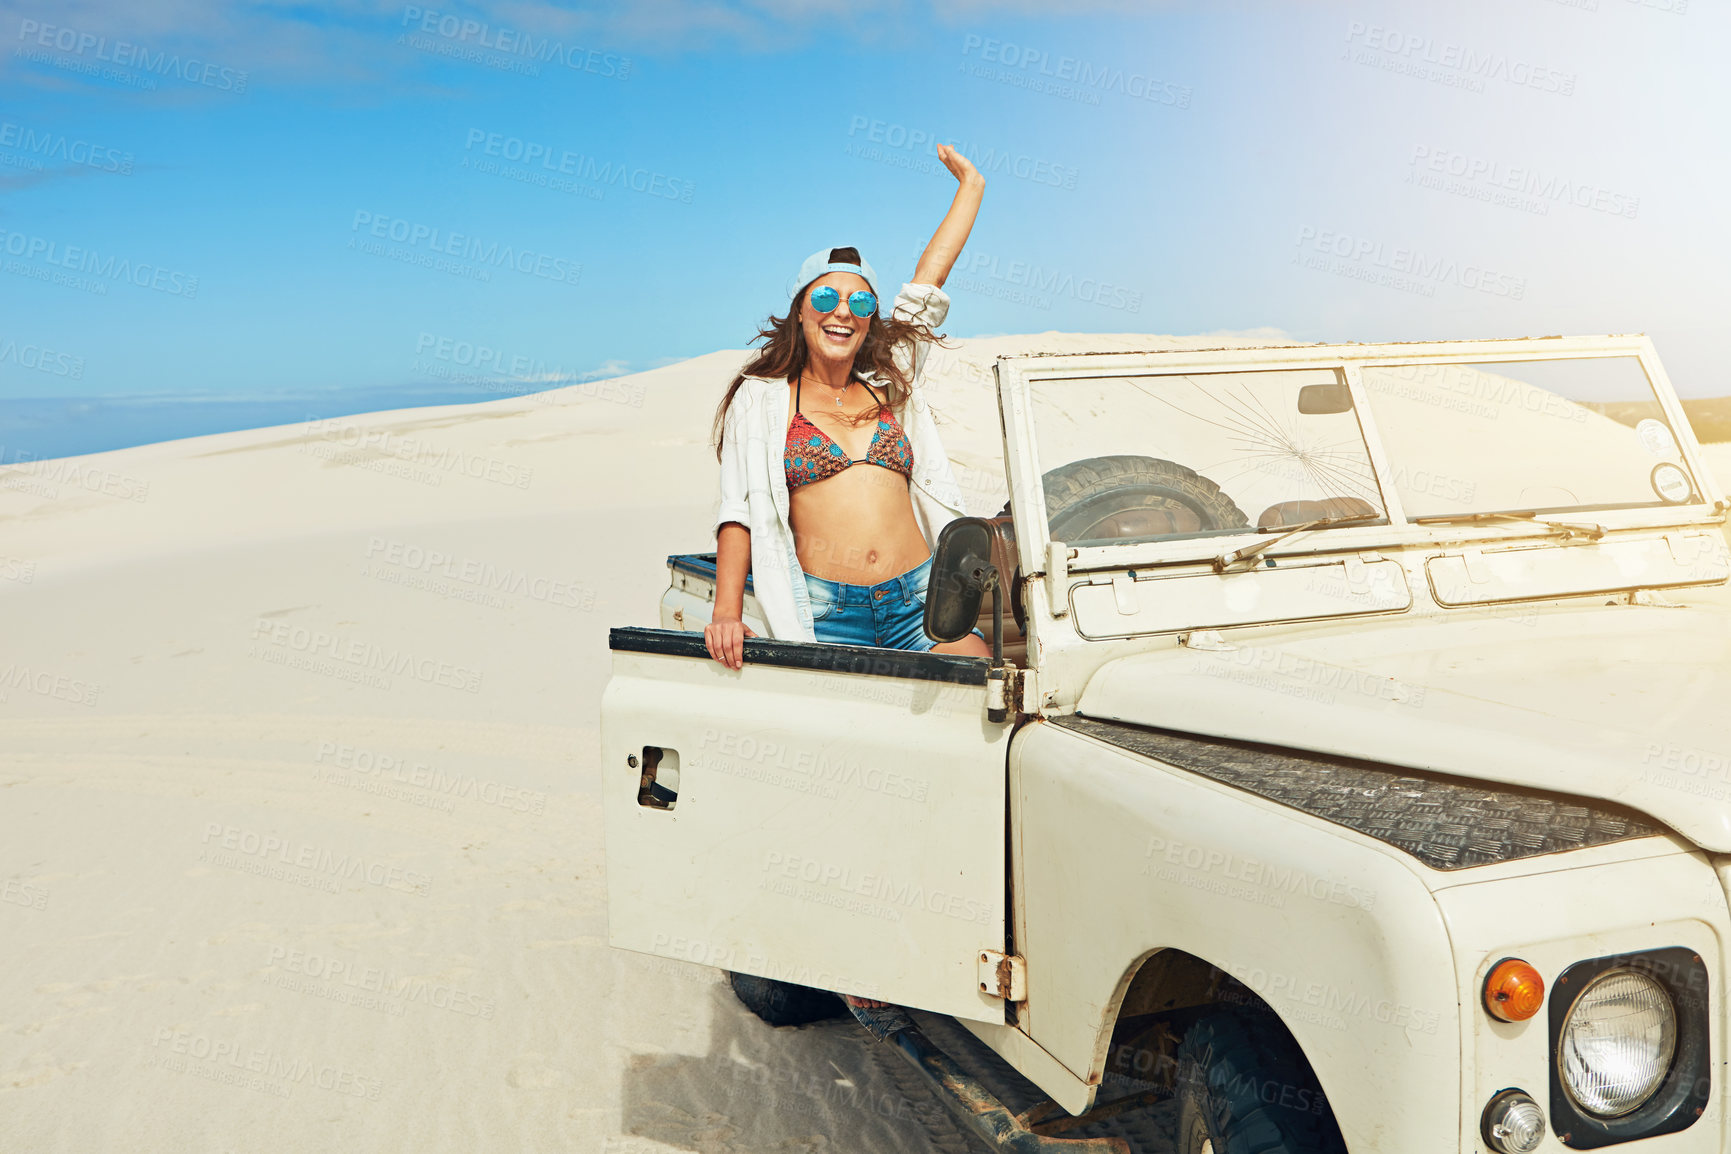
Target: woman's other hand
(725,641)
(946,244)
(960,166)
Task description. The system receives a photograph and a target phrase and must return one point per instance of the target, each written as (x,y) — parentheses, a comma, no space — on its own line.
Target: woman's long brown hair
(784,354)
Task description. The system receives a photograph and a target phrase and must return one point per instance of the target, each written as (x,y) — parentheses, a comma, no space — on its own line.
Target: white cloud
(351,42)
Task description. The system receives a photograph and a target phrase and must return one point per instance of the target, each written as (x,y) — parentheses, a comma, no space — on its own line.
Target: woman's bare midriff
(856,527)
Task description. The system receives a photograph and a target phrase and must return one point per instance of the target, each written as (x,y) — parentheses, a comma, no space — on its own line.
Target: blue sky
(1337,171)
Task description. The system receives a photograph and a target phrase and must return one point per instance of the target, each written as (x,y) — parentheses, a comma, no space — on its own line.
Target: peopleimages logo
(45,683)
(41,359)
(1369,259)
(1070,70)
(350,443)
(89,261)
(1432,59)
(515,42)
(253,845)
(465,247)
(1044,283)
(63,149)
(351,974)
(885,895)
(564,162)
(128,55)
(901,138)
(1486,179)
(567,593)
(37,475)
(367,766)
(366,655)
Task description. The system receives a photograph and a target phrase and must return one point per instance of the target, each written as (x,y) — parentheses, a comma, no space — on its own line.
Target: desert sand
(300,846)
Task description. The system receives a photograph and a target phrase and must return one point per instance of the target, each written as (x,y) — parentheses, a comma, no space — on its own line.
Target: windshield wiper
(1568,530)
(1226,560)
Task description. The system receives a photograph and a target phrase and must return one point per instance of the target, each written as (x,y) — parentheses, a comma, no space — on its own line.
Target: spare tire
(1111,498)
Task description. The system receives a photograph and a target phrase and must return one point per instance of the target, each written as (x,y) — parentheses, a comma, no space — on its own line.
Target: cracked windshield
(1202,454)
(1528,437)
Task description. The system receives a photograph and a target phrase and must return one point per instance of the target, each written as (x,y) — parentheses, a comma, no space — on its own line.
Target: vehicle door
(829,815)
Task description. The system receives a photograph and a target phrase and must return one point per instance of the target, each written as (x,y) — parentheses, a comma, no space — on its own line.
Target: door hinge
(1010,691)
(1057,578)
(1027,691)
(1000,691)
(1003,976)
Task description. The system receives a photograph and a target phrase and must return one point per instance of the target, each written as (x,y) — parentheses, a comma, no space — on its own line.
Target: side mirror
(962,574)
(1320,399)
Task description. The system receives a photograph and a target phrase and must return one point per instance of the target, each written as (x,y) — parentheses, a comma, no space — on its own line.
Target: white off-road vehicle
(1356,769)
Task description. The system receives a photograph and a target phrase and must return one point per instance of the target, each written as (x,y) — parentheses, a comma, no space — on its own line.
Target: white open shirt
(754,475)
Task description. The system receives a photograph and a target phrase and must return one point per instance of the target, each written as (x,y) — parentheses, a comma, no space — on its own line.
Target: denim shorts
(890,614)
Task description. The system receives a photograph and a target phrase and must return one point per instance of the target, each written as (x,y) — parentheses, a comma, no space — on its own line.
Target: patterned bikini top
(811,455)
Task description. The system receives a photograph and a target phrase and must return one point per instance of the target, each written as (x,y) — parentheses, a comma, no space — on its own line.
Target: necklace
(838,396)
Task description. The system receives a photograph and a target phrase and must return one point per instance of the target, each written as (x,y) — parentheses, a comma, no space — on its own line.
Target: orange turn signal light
(1514,991)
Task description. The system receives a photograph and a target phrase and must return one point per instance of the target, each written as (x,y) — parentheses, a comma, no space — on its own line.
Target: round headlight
(1617,1043)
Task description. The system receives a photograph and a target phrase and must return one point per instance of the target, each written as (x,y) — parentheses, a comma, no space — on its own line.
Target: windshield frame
(1017,374)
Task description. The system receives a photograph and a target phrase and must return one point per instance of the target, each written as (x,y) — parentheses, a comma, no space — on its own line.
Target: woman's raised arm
(946,244)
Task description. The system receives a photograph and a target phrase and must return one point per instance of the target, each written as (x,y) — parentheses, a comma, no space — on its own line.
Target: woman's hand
(960,166)
(725,634)
(725,641)
(946,244)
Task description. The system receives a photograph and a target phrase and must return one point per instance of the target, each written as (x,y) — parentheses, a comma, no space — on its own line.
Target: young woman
(834,484)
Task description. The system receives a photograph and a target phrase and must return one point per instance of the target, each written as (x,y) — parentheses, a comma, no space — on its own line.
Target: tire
(1245,1088)
(1107,498)
(785,1004)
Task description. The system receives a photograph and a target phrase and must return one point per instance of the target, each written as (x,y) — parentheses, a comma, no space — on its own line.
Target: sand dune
(301,845)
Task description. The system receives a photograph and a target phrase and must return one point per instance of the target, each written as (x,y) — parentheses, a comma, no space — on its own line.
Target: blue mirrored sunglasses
(861,304)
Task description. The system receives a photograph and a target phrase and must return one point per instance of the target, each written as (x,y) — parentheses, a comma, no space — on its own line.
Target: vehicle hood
(1629,704)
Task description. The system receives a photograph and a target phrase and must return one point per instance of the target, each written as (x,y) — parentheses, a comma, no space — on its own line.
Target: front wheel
(1245,1088)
